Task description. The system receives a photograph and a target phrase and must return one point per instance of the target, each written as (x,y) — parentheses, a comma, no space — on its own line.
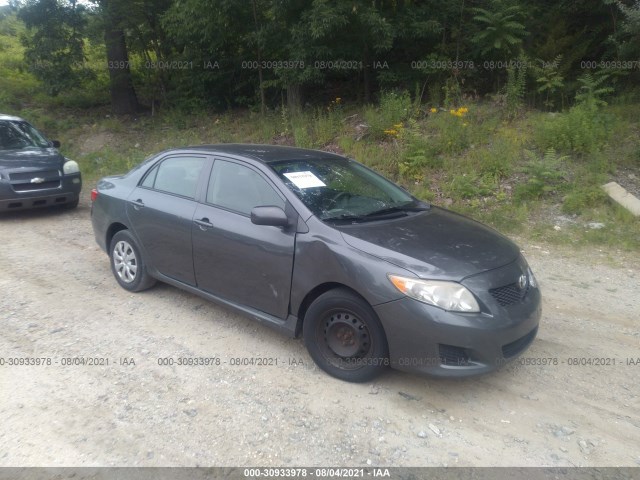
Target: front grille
(23,181)
(509,294)
(19,177)
(514,348)
(28,187)
(452,355)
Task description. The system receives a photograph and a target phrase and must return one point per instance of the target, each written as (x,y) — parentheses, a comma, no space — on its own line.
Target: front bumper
(426,339)
(67,192)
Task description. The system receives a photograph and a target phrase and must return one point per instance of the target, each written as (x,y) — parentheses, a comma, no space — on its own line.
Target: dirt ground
(58,301)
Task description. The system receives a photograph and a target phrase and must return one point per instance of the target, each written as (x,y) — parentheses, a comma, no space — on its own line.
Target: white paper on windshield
(304,179)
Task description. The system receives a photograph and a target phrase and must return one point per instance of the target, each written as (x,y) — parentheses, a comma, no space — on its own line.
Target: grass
(519,174)
(496,171)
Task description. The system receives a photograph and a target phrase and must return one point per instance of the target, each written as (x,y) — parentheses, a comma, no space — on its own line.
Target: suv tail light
(94,194)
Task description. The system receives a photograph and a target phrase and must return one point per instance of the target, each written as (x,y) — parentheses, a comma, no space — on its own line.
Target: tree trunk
(259,52)
(294,98)
(366,74)
(123,95)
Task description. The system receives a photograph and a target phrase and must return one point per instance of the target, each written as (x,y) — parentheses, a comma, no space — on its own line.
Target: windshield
(335,189)
(16,135)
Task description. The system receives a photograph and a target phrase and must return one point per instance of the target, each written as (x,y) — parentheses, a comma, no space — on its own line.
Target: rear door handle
(204,223)
(137,204)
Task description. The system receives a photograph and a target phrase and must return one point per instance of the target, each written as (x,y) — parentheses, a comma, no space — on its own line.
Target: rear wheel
(344,336)
(127,264)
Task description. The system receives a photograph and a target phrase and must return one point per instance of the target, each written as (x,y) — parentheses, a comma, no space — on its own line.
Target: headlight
(532,279)
(70,167)
(447,295)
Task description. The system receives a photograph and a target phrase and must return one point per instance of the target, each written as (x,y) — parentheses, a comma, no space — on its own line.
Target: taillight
(94,194)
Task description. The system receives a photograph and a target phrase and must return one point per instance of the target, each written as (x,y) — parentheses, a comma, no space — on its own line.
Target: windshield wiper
(369,217)
(408,207)
(345,217)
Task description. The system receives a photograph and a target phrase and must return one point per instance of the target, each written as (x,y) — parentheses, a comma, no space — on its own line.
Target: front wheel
(344,336)
(127,264)
(71,205)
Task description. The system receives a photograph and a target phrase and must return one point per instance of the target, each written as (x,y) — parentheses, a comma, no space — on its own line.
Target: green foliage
(515,87)
(470,186)
(591,90)
(301,137)
(583,198)
(17,84)
(549,79)
(54,42)
(628,36)
(418,153)
(495,160)
(501,29)
(452,92)
(584,129)
(544,176)
(394,109)
(449,132)
(325,126)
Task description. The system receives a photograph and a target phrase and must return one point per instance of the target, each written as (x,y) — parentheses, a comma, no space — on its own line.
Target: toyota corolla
(316,244)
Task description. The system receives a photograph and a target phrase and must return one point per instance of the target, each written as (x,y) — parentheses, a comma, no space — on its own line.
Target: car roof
(10,118)
(267,153)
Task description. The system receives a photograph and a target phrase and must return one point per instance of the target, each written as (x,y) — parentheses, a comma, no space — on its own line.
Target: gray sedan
(316,244)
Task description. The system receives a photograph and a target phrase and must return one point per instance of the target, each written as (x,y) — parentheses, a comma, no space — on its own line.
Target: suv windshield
(336,189)
(16,135)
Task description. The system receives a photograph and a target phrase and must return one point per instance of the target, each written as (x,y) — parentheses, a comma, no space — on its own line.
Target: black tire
(344,336)
(71,205)
(127,264)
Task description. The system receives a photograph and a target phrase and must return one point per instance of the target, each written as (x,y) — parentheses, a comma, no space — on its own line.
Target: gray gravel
(59,301)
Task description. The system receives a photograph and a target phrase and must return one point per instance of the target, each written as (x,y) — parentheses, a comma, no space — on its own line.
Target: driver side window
(239,188)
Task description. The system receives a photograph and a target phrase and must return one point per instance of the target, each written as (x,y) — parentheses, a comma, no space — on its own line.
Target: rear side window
(176,175)
(239,188)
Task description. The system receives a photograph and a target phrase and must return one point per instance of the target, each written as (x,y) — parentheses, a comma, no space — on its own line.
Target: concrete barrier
(624,198)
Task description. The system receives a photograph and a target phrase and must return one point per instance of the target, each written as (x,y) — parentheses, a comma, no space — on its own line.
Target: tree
(123,96)
(54,42)
(502,30)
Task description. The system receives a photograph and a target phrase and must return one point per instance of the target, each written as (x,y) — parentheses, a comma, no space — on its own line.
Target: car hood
(31,158)
(435,244)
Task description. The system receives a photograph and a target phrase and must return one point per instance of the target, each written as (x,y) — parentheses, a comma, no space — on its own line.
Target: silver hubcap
(125,261)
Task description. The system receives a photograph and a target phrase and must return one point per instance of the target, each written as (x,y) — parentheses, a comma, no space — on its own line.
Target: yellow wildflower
(433,110)
(398,126)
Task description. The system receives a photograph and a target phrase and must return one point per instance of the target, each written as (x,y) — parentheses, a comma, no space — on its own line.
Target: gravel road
(58,301)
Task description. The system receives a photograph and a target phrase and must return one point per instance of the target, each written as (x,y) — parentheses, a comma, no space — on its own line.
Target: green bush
(584,129)
(495,160)
(394,109)
(583,198)
(418,153)
(325,127)
(450,132)
(470,186)
(301,137)
(544,176)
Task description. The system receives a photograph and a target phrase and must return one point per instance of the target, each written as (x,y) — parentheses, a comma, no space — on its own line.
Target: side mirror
(55,143)
(271,216)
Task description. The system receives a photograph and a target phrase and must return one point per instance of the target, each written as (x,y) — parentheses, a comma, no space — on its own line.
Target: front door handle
(204,223)
(137,204)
